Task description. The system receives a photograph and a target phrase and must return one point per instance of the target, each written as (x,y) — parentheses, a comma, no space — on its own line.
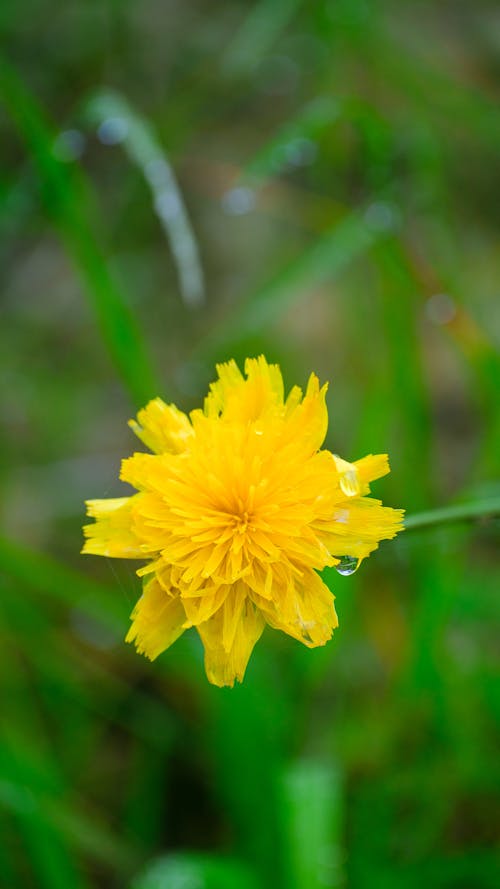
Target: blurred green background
(182,183)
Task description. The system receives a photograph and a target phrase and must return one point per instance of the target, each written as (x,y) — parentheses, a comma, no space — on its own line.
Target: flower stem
(461,512)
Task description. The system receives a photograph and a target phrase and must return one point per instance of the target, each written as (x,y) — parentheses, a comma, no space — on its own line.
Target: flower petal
(245,400)
(304,610)
(112,533)
(307,421)
(158,620)
(163,427)
(240,624)
(201,608)
(358,525)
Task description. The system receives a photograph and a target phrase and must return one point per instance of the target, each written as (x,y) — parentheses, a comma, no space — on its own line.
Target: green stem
(462,512)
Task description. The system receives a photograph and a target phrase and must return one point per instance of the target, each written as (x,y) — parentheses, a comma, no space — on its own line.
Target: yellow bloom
(237,510)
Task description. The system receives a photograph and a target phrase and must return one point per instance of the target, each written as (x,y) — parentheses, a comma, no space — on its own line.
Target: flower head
(237,511)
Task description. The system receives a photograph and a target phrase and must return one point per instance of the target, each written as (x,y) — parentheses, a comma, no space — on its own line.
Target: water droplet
(347,565)
(381,216)
(348,477)
(113,130)
(238,201)
(300,152)
(157,172)
(341,515)
(167,205)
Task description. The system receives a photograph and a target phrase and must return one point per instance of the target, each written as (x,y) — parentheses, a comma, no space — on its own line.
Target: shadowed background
(182,183)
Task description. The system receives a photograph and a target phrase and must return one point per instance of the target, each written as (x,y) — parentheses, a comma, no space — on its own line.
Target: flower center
(242,521)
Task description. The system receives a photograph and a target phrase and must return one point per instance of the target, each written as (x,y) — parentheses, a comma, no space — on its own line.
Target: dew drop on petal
(341,515)
(348,477)
(347,565)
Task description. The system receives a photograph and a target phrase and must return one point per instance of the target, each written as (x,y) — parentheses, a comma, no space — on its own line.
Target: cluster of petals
(237,511)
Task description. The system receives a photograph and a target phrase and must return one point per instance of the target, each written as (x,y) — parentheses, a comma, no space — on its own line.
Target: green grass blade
(193,869)
(409,397)
(256,35)
(325,258)
(68,198)
(63,583)
(143,148)
(309,123)
(248,725)
(461,512)
(312,813)
(46,816)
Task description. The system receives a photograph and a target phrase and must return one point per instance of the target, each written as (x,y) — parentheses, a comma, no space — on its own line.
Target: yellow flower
(236,512)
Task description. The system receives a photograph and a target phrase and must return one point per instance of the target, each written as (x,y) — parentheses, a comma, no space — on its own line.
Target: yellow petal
(264,387)
(224,666)
(294,398)
(358,526)
(112,533)
(200,608)
(371,467)
(149,472)
(348,476)
(304,610)
(158,620)
(163,428)
(230,379)
(245,400)
(307,422)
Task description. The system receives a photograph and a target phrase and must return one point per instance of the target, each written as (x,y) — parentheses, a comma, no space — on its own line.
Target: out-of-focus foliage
(186,182)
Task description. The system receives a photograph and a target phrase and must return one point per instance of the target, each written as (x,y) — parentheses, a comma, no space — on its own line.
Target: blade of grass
(23,785)
(25,620)
(69,201)
(409,399)
(36,784)
(248,734)
(62,582)
(325,258)
(312,813)
(309,123)
(257,34)
(194,870)
(34,790)
(435,94)
(44,814)
(461,512)
(144,149)
(441,272)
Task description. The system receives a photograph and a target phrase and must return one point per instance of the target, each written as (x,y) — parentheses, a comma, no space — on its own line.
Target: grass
(363,138)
